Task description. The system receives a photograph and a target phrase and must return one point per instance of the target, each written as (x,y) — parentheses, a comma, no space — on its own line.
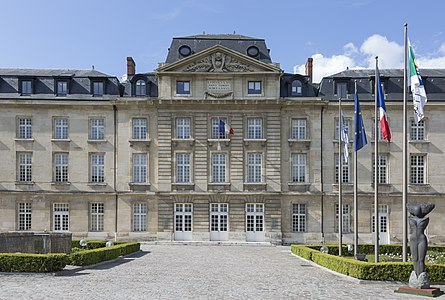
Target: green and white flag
(417,86)
(344,137)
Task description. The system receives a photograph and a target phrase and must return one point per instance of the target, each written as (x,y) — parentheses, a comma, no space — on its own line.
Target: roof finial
(234,32)
(92,67)
(203,33)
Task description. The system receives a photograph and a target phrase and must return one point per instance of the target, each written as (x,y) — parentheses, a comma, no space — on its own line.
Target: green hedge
(94,256)
(393,271)
(11,262)
(92,244)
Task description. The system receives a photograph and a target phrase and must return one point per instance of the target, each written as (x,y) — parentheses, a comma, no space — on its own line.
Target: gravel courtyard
(197,272)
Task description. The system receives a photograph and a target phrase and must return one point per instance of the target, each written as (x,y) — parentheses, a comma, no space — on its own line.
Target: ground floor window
(298,217)
(24,210)
(97,217)
(346,224)
(61,216)
(140,217)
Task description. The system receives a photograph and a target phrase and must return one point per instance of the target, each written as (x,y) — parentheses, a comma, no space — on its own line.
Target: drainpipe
(321,177)
(115,170)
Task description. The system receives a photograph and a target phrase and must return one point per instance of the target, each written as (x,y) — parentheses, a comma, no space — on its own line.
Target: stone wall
(35,242)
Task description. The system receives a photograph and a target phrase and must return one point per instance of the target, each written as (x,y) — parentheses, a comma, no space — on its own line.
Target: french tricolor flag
(386,134)
(225,129)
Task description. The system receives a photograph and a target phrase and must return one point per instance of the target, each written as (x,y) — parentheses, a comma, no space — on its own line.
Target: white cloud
(350,49)
(431,63)
(390,53)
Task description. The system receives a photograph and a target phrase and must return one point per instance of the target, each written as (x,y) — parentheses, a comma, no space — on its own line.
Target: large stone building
(217,144)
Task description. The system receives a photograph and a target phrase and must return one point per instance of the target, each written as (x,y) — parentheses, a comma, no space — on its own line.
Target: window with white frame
(347,126)
(296,88)
(183,128)
(139,217)
(346,224)
(342,90)
(25,128)
(61,216)
(299,167)
(140,167)
(254,167)
(26,87)
(24,216)
(62,88)
(98,88)
(141,88)
(298,130)
(217,131)
(97,168)
(139,128)
(345,176)
(183,168)
(298,217)
(97,129)
(382,167)
(183,87)
(97,216)
(25,167)
(254,128)
(254,88)
(417,132)
(60,126)
(61,167)
(219,167)
(417,173)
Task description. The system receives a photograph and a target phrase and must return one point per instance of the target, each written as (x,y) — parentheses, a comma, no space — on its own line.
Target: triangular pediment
(218,59)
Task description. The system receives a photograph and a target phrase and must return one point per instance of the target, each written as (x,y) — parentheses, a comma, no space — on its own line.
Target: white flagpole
(340,177)
(405,149)
(376,163)
(355,187)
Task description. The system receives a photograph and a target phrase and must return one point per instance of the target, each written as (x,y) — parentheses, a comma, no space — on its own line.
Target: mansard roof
(51,72)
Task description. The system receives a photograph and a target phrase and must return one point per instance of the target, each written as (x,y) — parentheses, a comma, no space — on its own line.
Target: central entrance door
(183,221)
(383,224)
(219,216)
(255,222)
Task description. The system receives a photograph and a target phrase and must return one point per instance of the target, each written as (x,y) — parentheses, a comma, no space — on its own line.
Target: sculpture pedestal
(429,292)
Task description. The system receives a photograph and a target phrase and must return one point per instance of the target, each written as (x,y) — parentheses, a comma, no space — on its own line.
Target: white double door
(383,224)
(183,221)
(219,221)
(255,222)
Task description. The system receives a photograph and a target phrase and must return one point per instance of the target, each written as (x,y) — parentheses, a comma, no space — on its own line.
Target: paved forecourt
(197,272)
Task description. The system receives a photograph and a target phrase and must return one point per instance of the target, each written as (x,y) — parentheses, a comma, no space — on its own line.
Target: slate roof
(236,42)
(51,72)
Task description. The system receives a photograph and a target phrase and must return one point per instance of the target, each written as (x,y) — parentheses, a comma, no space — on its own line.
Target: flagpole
(405,148)
(340,173)
(376,173)
(355,188)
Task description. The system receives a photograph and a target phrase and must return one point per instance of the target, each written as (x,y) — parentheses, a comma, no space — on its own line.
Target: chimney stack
(309,68)
(131,66)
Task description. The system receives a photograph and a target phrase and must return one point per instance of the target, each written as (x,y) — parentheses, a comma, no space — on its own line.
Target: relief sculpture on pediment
(218,63)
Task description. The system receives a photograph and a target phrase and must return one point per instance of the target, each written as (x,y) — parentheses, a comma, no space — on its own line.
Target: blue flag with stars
(359,129)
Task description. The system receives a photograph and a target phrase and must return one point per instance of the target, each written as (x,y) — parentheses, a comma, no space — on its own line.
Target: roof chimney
(131,66)
(308,68)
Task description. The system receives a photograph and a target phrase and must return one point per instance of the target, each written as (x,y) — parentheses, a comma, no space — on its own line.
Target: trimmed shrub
(13,262)
(94,256)
(91,244)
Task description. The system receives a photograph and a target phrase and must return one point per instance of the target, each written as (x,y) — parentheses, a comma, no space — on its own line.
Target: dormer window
(26,87)
(62,88)
(141,88)
(342,90)
(98,88)
(297,88)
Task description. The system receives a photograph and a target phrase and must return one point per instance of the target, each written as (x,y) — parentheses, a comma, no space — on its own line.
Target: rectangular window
(25,167)
(139,217)
(25,128)
(183,167)
(346,224)
(219,167)
(98,88)
(218,129)
(26,86)
(97,216)
(97,168)
(417,132)
(61,215)
(183,128)
(347,126)
(298,217)
(342,90)
(254,88)
(346,171)
(140,167)
(61,167)
(97,129)
(62,88)
(417,169)
(183,87)
(254,167)
(383,169)
(299,168)
(139,128)
(60,128)
(24,210)
(254,128)
(298,130)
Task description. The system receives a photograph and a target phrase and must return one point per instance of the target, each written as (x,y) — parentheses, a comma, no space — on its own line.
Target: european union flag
(359,129)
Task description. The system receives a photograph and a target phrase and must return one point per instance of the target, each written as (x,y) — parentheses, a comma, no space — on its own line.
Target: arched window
(141,88)
(297,88)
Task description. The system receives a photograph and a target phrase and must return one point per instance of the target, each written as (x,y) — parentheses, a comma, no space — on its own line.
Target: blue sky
(337,33)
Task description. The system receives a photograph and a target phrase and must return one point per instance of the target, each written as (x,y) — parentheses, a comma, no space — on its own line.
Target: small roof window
(185,50)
